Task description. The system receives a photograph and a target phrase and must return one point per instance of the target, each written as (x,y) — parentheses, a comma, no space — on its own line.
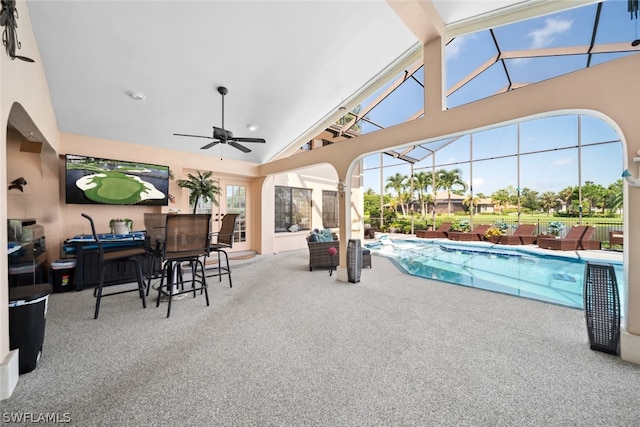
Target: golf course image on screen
(115,182)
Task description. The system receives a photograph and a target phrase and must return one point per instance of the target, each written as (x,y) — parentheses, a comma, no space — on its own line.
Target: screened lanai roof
(493,61)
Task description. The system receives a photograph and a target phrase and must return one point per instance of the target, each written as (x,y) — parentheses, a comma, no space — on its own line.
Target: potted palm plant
(200,186)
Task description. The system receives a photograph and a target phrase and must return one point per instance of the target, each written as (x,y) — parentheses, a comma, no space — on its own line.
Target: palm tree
(447,180)
(421,183)
(566,195)
(200,186)
(614,196)
(471,202)
(398,182)
(500,198)
(548,200)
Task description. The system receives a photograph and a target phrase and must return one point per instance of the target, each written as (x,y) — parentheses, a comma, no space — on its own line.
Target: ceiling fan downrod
(223,91)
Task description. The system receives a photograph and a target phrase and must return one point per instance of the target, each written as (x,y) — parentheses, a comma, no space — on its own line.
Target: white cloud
(456,46)
(477,184)
(453,49)
(561,162)
(544,36)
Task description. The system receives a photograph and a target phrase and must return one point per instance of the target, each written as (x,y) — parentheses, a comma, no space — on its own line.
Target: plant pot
(120,227)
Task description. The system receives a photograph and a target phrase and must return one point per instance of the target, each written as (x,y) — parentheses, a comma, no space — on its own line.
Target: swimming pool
(513,270)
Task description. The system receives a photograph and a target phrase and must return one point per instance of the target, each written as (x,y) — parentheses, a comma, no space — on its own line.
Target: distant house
(485,206)
(442,200)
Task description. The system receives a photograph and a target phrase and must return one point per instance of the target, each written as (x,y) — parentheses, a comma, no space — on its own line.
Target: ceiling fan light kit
(223,136)
(138,96)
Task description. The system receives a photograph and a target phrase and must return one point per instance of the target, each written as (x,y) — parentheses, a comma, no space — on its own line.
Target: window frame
(289,202)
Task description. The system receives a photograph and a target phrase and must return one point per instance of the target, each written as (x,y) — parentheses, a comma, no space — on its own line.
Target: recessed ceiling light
(138,96)
(252,127)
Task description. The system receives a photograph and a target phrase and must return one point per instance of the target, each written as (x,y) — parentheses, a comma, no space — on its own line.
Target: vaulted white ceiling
(288,65)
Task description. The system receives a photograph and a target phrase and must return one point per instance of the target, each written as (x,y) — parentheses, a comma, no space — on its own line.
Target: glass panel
(596,130)
(490,82)
(568,28)
(301,202)
(292,207)
(602,164)
(549,133)
(599,58)
(549,171)
(330,209)
(457,151)
(497,142)
(401,104)
(615,25)
(465,54)
(237,203)
(282,209)
(533,70)
(419,153)
(366,127)
(496,174)
(548,162)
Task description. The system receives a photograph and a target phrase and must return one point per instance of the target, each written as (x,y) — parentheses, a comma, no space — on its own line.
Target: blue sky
(550,171)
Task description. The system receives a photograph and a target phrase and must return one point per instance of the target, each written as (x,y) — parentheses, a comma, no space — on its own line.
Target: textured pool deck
(291,347)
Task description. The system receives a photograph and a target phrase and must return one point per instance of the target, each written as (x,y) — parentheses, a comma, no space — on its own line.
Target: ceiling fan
(222,136)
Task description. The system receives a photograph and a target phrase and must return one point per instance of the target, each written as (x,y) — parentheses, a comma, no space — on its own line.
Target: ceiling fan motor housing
(222,134)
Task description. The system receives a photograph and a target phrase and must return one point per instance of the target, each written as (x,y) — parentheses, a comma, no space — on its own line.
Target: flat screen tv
(92,180)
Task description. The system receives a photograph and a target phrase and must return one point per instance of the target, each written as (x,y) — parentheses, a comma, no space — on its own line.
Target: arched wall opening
(285,194)
(30,158)
(553,156)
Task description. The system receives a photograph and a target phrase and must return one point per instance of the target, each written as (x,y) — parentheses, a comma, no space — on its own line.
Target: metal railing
(542,226)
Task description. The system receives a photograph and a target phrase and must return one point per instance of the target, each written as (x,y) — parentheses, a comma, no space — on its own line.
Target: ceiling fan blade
(194,136)
(209,145)
(259,140)
(239,147)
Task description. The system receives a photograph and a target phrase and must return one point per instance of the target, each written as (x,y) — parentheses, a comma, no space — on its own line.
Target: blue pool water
(511,270)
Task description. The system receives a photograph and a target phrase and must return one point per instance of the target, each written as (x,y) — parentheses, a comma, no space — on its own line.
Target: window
(329,209)
(292,206)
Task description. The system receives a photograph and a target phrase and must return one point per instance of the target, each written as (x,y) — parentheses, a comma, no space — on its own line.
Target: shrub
(555,227)
(501,226)
(462,225)
(493,232)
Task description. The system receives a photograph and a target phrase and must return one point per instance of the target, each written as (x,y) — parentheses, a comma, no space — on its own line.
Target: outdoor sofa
(319,255)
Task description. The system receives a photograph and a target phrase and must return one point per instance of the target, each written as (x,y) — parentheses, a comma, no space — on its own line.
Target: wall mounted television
(93,180)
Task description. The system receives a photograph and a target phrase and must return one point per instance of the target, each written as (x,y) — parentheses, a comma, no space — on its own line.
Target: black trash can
(62,274)
(27,317)
(354,260)
(26,273)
